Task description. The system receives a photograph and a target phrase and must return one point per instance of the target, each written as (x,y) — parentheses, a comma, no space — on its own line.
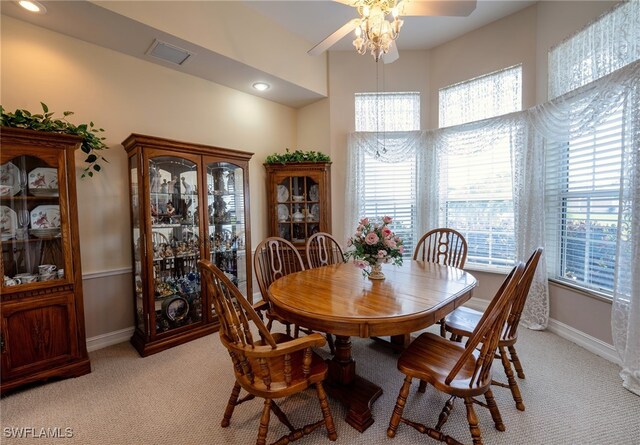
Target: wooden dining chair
(322,249)
(457,370)
(274,258)
(442,246)
(463,321)
(272,367)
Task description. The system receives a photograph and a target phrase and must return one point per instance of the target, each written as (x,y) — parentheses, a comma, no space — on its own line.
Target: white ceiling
(315,20)
(312,20)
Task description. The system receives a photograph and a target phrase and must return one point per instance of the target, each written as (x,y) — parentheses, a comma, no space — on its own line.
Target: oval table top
(340,300)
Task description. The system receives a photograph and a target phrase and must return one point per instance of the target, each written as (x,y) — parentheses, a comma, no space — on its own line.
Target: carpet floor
(178,396)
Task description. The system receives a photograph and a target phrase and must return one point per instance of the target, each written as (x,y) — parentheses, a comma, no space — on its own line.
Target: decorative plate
(9,179)
(283,213)
(43,181)
(45,217)
(283,193)
(8,223)
(175,309)
(313,193)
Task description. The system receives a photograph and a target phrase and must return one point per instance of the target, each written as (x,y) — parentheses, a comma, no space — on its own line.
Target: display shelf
(186,198)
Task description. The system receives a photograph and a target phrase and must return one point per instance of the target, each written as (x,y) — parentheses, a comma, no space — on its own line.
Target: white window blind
(476,188)
(390,187)
(583,175)
(582,199)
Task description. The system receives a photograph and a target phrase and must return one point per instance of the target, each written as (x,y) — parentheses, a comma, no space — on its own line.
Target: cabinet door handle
(2,343)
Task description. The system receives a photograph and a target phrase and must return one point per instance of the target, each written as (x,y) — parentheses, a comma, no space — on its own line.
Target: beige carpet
(178,396)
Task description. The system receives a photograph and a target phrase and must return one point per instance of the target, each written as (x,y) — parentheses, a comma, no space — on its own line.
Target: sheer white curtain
(603,46)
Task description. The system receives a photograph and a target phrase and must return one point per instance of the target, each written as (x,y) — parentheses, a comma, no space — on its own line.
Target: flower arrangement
(374,243)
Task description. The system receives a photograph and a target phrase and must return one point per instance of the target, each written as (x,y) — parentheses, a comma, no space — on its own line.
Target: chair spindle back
(443,246)
(275,258)
(323,250)
(488,330)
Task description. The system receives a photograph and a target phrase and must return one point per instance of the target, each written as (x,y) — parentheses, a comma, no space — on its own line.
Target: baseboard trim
(591,344)
(109,339)
(586,341)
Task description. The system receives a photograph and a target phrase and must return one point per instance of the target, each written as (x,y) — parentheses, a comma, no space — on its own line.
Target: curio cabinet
(188,201)
(43,332)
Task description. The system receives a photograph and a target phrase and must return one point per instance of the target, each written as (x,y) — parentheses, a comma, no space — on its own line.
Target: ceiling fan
(376,34)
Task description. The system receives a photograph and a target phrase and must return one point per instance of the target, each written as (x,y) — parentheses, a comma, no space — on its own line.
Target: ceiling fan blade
(436,8)
(392,55)
(333,38)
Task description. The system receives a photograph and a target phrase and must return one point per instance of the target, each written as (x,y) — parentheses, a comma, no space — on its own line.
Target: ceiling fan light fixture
(374,33)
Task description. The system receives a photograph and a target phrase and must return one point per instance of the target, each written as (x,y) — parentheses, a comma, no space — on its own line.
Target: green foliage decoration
(92,140)
(297,156)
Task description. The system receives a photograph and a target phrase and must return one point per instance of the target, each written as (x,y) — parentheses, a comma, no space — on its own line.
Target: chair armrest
(296,344)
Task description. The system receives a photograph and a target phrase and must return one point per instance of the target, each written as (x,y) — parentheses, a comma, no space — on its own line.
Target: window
(475,176)
(583,175)
(390,187)
(583,194)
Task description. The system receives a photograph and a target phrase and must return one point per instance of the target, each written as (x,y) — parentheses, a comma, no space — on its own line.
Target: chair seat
(431,358)
(464,320)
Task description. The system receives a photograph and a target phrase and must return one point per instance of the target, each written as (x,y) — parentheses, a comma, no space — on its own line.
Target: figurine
(187,188)
(171,210)
(164,186)
(154,179)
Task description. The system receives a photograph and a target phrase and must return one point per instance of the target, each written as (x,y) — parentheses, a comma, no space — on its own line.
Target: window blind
(390,188)
(583,194)
(476,187)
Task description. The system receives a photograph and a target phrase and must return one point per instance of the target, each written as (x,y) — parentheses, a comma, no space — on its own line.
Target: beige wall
(525,38)
(230,29)
(123,95)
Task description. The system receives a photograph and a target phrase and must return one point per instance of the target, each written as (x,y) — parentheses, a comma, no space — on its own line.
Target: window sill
(600,296)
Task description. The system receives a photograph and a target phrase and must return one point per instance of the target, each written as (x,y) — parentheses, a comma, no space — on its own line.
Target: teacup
(5,189)
(47,276)
(60,273)
(27,277)
(46,268)
(11,281)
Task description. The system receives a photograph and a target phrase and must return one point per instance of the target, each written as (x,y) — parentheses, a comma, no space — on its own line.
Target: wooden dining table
(338,299)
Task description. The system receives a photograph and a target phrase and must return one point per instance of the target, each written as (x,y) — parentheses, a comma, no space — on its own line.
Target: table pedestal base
(357,393)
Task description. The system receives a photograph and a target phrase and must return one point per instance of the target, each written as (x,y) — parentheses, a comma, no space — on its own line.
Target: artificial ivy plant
(92,141)
(297,156)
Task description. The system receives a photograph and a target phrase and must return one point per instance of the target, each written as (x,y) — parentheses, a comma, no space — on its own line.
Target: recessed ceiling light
(261,86)
(33,6)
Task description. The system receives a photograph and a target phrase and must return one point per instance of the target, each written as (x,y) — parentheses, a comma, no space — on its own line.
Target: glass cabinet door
(175,242)
(31,225)
(138,247)
(298,210)
(226,221)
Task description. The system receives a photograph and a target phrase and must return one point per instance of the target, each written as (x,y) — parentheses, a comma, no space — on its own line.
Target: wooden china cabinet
(299,198)
(188,201)
(43,333)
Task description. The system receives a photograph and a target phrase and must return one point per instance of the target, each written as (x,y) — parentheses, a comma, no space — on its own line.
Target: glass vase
(376,271)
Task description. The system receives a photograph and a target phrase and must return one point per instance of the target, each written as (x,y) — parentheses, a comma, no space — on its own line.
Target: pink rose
(358,233)
(364,221)
(361,264)
(387,219)
(390,243)
(401,249)
(382,253)
(371,239)
(360,228)
(397,239)
(386,232)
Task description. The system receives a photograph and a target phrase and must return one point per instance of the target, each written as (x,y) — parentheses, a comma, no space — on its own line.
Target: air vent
(168,52)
